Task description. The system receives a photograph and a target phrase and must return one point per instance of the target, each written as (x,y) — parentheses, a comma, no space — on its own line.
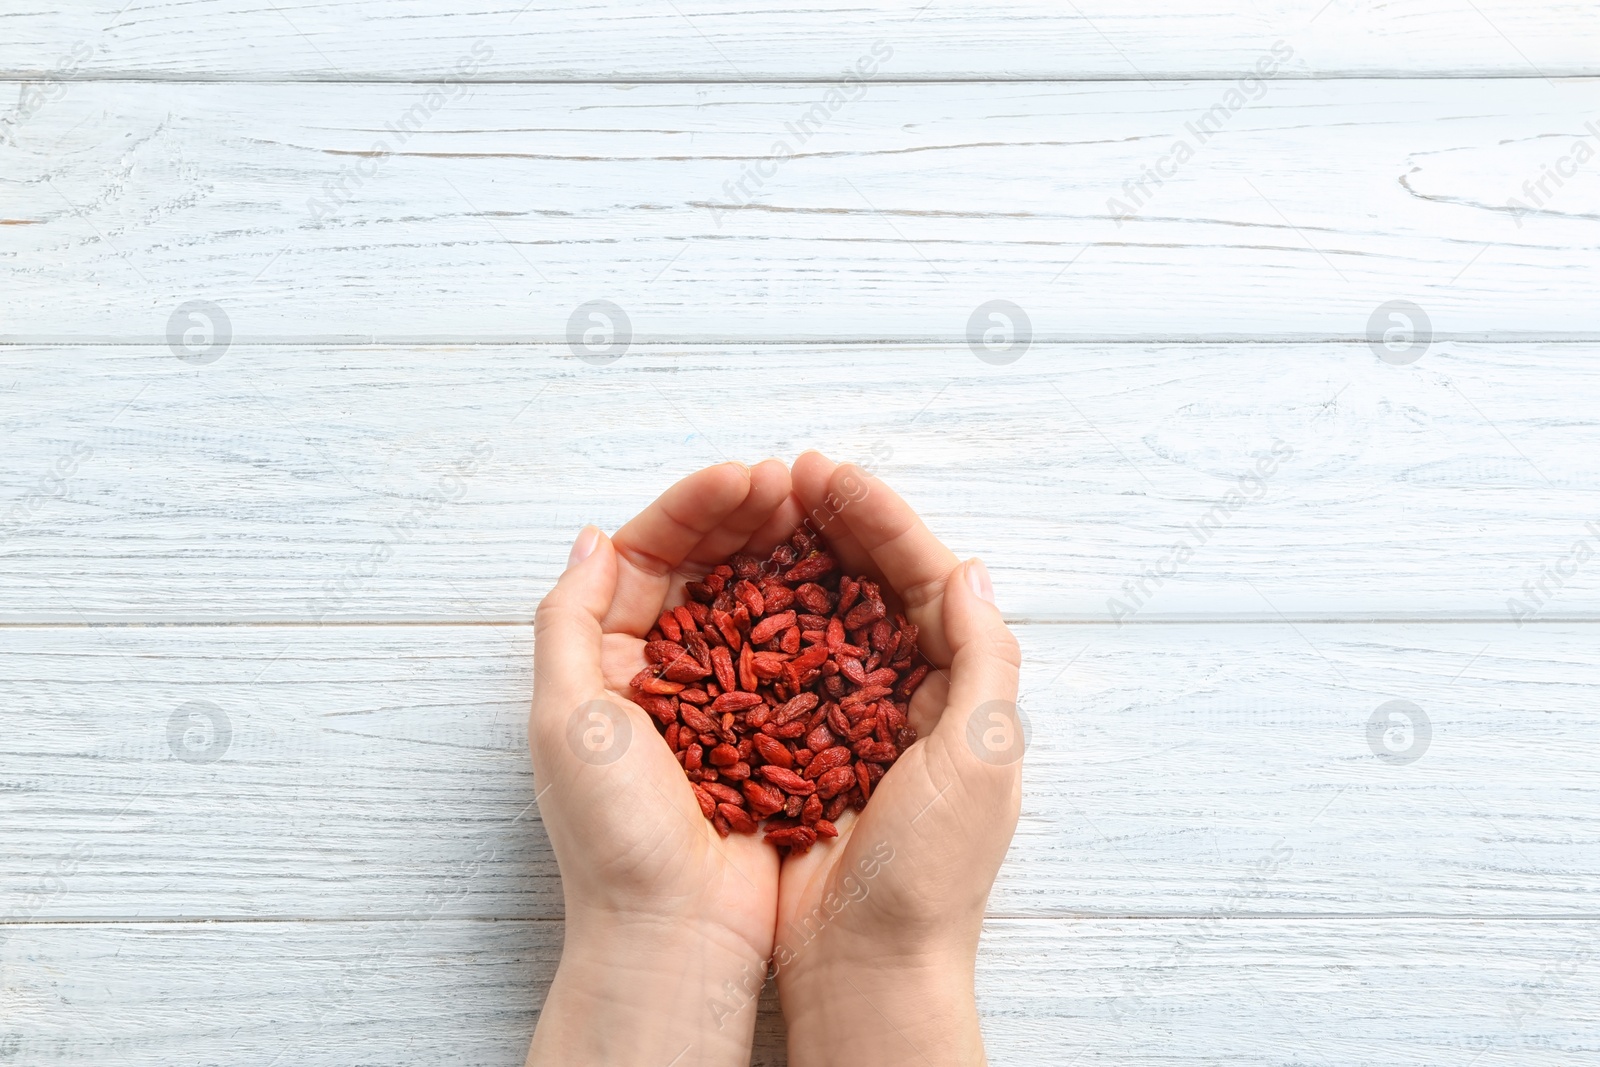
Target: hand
(878,929)
(660,911)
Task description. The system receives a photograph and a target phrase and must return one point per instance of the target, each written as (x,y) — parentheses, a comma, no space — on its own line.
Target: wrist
(914,1006)
(644,990)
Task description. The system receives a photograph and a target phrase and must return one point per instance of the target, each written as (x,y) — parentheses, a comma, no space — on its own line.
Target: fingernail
(584,546)
(978,579)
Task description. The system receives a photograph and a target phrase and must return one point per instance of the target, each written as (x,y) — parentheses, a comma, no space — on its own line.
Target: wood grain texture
(1251,992)
(1173,770)
(445,483)
(723,40)
(895,218)
(1214,863)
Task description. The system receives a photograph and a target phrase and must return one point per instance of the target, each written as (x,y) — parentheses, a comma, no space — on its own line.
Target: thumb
(980,721)
(566,628)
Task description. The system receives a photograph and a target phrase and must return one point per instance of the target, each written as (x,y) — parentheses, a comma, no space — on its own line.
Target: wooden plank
(446,483)
(1248,992)
(722,40)
(506,208)
(1173,770)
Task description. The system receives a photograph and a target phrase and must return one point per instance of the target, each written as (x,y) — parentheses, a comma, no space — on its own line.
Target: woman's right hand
(878,929)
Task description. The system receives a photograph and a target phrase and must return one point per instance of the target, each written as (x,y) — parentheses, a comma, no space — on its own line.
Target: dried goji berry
(778,596)
(735,702)
(791,710)
(722,663)
(663,651)
(849,589)
(812,597)
(771,626)
(663,709)
(684,669)
(668,624)
(708,803)
(722,792)
(811,810)
(799,838)
(696,720)
(685,617)
(819,739)
(767,665)
(747,671)
(739,820)
(763,798)
(786,780)
(774,751)
(747,594)
(836,781)
(827,760)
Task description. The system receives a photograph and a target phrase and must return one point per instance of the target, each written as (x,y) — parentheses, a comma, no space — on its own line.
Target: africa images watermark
(799,934)
(433,902)
(849,88)
(1554,980)
(1251,887)
(1583,149)
(50,887)
(52,485)
(34,95)
(833,505)
(1553,578)
(336,592)
(342,189)
(1252,487)
(1247,90)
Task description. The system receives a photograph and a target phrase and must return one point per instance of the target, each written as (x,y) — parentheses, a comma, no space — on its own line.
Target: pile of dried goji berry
(782,687)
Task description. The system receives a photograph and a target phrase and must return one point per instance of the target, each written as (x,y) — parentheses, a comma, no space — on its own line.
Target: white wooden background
(1213,865)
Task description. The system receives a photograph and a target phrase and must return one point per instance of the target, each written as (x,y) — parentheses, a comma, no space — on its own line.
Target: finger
(566,627)
(784,520)
(769,487)
(980,726)
(820,511)
(928,702)
(657,540)
(914,562)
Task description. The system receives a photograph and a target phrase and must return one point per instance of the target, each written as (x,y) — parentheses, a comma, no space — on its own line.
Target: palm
(904,837)
(655,838)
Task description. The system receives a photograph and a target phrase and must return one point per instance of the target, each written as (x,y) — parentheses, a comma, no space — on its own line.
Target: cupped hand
(657,905)
(878,929)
